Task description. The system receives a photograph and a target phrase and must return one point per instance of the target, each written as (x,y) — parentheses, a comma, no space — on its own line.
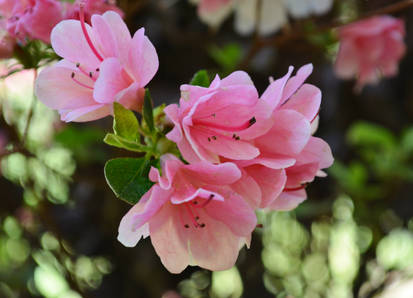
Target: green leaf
(201,79)
(128,178)
(117,141)
(407,140)
(125,123)
(148,111)
(227,57)
(369,134)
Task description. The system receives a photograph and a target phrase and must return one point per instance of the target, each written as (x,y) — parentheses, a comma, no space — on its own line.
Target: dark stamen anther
(196,217)
(209,139)
(214,138)
(186,226)
(72,75)
(90,74)
(234,136)
(97,69)
(195,202)
(202,225)
(77,64)
(259,226)
(252,121)
(213,115)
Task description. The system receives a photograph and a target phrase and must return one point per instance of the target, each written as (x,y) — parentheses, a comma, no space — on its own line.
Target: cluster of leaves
(385,161)
(128,176)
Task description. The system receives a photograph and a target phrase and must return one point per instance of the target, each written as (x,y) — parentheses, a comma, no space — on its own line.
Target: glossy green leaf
(128,178)
(201,79)
(117,141)
(148,111)
(125,123)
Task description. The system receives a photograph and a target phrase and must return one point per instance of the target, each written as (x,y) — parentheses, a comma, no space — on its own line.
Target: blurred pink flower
(31,19)
(370,49)
(7,42)
(102,64)
(218,121)
(91,7)
(192,216)
(214,12)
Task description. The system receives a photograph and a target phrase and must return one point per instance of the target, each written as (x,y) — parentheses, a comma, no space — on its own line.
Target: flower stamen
(84,30)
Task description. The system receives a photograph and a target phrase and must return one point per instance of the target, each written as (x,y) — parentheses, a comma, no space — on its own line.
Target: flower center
(192,213)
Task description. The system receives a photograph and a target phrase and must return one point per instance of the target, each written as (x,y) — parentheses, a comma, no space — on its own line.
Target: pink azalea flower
(294,107)
(7,42)
(315,156)
(192,216)
(214,12)
(102,64)
(33,19)
(91,7)
(218,121)
(370,49)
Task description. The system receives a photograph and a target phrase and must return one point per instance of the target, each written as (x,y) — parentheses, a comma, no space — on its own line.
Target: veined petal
(56,80)
(306,101)
(172,248)
(69,42)
(87,113)
(143,59)
(112,79)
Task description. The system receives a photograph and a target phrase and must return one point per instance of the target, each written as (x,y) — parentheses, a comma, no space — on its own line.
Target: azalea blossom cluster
(240,151)
(245,153)
(267,16)
(23,20)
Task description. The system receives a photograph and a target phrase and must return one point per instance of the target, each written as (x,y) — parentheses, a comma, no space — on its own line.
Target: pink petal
(69,42)
(270,181)
(112,79)
(183,195)
(288,136)
(273,161)
(143,59)
(347,64)
(273,94)
(236,78)
(128,234)
(317,150)
(226,146)
(221,174)
(131,97)
(249,189)
(306,101)
(85,114)
(233,212)
(296,81)
(40,21)
(170,166)
(171,111)
(104,36)
(288,200)
(193,146)
(54,81)
(121,34)
(166,236)
(213,247)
